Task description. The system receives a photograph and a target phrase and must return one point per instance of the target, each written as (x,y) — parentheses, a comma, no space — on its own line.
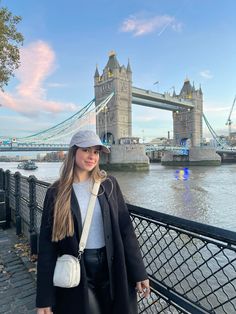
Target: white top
(96,237)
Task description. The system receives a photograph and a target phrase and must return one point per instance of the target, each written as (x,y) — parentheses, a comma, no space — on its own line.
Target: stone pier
(126,157)
(198,156)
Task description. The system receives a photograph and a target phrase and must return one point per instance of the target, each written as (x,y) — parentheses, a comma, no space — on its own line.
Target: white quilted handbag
(67,272)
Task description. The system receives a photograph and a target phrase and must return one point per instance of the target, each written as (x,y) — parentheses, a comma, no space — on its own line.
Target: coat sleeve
(46,256)
(134,261)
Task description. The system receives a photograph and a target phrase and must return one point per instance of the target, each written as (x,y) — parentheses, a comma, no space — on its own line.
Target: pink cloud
(30,96)
(142,26)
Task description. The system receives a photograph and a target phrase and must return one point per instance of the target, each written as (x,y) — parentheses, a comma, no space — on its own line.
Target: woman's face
(87,158)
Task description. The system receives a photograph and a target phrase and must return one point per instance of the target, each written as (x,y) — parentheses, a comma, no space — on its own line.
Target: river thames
(205,194)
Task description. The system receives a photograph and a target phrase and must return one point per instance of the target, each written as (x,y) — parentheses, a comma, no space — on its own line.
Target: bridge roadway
(35,147)
(24,147)
(165,101)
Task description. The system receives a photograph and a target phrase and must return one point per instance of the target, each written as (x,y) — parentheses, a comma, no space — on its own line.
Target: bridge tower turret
(115,121)
(187,123)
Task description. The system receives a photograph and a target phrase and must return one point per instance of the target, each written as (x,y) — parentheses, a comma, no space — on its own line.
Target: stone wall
(197,153)
(130,153)
(126,157)
(198,156)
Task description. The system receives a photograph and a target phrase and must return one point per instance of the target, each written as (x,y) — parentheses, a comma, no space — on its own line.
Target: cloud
(215,110)
(22,125)
(206,74)
(30,95)
(140,26)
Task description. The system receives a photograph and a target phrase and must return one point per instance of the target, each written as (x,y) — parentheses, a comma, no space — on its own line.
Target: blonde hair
(63,224)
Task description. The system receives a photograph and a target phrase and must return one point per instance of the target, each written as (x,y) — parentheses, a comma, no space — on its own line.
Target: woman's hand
(143,288)
(44,310)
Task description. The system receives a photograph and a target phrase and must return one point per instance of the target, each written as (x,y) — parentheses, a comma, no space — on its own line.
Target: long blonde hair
(63,224)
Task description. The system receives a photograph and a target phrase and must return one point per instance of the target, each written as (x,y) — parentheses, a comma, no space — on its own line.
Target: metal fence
(191,266)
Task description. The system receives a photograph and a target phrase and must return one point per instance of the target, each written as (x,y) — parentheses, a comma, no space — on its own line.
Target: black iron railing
(191,266)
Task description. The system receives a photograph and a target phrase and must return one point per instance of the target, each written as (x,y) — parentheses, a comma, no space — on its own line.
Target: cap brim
(104,148)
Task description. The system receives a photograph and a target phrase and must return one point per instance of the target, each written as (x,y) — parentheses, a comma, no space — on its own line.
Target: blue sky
(165,41)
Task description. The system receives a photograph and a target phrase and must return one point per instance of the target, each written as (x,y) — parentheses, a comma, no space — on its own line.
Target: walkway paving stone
(17,275)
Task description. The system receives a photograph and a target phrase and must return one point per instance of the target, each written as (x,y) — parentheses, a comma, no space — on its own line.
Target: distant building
(54,156)
(41,156)
(163,141)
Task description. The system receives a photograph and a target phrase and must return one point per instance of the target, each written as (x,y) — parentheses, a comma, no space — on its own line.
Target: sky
(164,40)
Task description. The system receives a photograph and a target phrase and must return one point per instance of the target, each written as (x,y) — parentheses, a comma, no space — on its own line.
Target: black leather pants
(98,281)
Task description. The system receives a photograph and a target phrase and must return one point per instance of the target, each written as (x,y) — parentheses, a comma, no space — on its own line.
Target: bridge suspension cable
(229,122)
(68,120)
(213,133)
(68,126)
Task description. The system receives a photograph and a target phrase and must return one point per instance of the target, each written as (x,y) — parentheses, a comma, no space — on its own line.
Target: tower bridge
(116,121)
(114,96)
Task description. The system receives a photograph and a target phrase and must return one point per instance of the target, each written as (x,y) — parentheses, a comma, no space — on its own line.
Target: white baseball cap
(87,138)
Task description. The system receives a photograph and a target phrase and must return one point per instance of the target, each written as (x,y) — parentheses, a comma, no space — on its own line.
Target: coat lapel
(108,234)
(76,211)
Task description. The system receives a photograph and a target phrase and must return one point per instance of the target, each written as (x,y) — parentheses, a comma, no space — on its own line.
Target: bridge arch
(108,138)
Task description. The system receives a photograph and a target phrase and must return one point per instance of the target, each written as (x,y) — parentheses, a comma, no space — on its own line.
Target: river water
(207,194)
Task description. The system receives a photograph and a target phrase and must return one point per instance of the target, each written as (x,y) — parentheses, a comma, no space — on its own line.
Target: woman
(112,270)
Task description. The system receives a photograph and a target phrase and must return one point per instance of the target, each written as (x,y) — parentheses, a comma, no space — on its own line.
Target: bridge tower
(187,123)
(115,121)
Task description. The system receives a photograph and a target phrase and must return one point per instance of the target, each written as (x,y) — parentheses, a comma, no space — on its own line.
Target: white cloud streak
(215,110)
(206,74)
(30,95)
(139,26)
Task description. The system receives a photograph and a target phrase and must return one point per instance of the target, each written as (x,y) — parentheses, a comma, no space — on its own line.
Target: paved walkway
(17,275)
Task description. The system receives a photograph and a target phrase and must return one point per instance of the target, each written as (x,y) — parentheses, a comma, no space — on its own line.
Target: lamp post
(156,83)
(143,135)
(171,88)
(105,109)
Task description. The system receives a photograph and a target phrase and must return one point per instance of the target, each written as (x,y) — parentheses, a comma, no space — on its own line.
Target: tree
(10,40)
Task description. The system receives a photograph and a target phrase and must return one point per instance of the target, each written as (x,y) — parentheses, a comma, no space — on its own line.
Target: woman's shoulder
(110,180)
(52,190)
(110,184)
(110,177)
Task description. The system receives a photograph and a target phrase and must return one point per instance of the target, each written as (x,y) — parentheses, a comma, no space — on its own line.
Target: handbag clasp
(79,255)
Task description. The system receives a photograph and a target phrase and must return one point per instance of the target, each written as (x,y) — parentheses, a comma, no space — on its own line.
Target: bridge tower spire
(114,122)
(188,122)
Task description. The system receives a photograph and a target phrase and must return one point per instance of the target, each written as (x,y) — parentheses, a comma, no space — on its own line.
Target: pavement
(17,274)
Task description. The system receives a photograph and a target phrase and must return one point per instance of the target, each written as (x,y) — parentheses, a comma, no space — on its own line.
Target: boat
(21,165)
(27,165)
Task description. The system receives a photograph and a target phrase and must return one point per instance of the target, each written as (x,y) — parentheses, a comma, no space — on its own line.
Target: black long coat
(123,255)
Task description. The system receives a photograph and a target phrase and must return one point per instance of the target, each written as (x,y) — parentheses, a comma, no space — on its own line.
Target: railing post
(7,189)
(32,207)
(2,179)
(2,200)
(17,177)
